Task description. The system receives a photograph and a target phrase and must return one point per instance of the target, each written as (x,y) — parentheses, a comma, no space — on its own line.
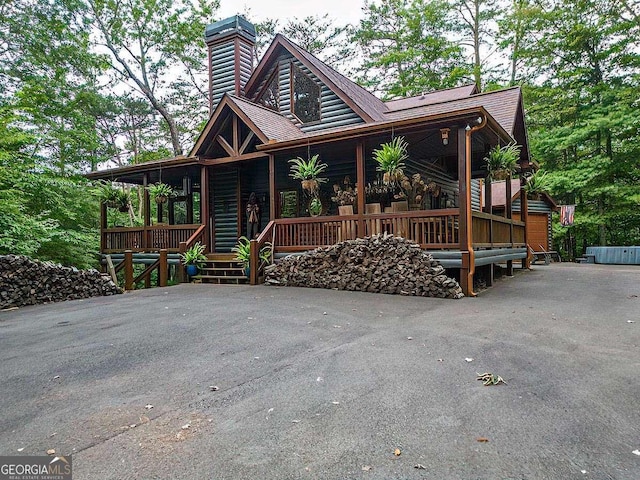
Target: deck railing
(141,239)
(429,228)
(494,231)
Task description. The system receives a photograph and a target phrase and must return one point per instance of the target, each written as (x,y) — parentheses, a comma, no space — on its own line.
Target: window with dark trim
(305,96)
(270,97)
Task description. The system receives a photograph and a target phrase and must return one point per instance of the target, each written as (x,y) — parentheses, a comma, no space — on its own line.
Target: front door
(224,185)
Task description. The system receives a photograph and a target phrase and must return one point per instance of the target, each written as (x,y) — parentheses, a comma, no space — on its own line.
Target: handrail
(255,246)
(336,218)
(197,234)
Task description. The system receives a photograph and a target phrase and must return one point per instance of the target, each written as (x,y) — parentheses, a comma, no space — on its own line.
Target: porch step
(220,269)
(222,279)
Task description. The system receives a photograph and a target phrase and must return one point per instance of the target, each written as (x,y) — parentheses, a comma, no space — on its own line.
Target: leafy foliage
(194,255)
(390,158)
(405,49)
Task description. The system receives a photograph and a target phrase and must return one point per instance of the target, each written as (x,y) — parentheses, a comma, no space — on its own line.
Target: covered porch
(214,186)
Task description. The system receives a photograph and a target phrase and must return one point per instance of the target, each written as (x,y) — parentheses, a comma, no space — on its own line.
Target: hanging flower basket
(500,175)
(310,185)
(161,199)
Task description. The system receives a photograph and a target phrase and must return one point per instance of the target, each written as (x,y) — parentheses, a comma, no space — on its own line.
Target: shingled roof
(502,105)
(430,98)
(274,125)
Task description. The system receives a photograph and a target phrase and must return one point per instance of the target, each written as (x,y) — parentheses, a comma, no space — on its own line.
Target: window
(270,97)
(305,96)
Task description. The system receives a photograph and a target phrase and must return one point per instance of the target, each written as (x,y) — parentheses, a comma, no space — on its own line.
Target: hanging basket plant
(308,172)
(502,162)
(160,192)
(390,158)
(315,206)
(537,184)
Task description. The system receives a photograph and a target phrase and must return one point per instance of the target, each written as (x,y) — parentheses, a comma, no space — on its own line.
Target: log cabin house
(292,104)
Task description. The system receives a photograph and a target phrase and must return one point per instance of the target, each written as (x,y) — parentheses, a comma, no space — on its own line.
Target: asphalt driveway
(323,384)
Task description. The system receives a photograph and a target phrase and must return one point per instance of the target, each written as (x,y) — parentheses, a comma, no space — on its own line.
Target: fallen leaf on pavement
(419,466)
(367,468)
(51,451)
(21,449)
(409,338)
(336,403)
(148,407)
(186,426)
(482,439)
(397,452)
(468,360)
(636,452)
(214,388)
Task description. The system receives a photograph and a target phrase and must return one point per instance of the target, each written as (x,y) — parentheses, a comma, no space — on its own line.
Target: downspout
(468,215)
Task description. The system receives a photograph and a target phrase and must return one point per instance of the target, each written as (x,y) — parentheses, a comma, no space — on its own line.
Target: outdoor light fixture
(479,120)
(444,133)
(467,128)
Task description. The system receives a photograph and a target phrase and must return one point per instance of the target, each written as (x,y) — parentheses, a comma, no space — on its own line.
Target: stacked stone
(24,281)
(379,264)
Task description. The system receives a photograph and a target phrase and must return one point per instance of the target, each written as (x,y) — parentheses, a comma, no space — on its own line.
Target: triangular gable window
(305,96)
(270,97)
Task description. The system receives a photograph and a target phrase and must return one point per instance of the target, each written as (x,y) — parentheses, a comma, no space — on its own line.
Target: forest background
(92,83)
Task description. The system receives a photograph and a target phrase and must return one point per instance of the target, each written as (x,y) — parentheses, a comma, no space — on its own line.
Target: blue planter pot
(192,270)
(247,271)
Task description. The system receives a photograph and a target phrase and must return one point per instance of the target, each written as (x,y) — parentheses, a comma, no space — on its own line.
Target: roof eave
(372,128)
(115,173)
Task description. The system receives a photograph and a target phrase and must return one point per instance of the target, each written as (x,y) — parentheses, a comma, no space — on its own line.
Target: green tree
(157,47)
(405,48)
(584,116)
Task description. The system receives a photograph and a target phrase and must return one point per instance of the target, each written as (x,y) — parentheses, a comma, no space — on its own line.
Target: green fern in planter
(160,191)
(390,158)
(308,172)
(502,161)
(194,255)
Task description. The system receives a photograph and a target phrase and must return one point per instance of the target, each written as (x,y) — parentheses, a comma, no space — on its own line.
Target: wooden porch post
(128,270)
(464,186)
(163,269)
(190,208)
(103,227)
(509,213)
(204,205)
(360,180)
(272,187)
(146,210)
(171,211)
(524,216)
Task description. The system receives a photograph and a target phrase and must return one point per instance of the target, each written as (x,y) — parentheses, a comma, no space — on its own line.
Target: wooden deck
(146,239)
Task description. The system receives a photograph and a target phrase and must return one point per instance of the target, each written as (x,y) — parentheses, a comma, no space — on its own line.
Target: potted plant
(390,158)
(122,200)
(536,184)
(160,191)
(308,172)
(345,197)
(502,161)
(243,254)
(193,258)
(315,206)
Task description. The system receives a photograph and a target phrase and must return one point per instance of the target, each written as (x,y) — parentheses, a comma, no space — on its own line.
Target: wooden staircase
(221,268)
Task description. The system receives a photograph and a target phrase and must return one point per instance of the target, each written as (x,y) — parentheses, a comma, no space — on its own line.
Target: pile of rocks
(380,264)
(24,281)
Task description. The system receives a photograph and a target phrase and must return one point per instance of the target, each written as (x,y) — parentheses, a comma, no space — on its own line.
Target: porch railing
(429,228)
(494,231)
(141,239)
